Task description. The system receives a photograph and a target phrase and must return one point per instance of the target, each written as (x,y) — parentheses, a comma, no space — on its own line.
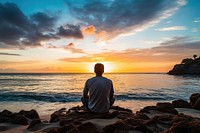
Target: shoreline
(44,124)
(162,117)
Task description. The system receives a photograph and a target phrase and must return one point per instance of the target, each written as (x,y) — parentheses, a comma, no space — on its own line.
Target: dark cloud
(119,17)
(11,54)
(70,31)
(19,31)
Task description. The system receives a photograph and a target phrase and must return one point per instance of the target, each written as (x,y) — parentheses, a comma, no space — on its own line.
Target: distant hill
(188,66)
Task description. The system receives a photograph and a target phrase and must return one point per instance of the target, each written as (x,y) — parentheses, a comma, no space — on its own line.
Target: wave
(75,97)
(43,97)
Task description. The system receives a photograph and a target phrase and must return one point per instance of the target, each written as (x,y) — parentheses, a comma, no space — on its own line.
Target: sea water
(49,92)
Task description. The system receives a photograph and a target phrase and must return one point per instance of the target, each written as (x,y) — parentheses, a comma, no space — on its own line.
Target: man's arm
(111,91)
(85,91)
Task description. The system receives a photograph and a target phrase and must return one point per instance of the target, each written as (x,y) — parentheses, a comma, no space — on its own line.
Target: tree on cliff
(195,56)
(187,61)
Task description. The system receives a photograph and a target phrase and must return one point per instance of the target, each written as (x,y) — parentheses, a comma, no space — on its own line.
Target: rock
(33,123)
(57,116)
(32,114)
(20,120)
(67,128)
(3,128)
(147,109)
(184,124)
(54,130)
(193,98)
(166,107)
(119,126)
(142,116)
(4,119)
(121,109)
(88,128)
(181,104)
(197,104)
(6,113)
(187,67)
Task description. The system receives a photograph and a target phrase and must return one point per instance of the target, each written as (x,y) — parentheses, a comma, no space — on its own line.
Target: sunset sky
(72,35)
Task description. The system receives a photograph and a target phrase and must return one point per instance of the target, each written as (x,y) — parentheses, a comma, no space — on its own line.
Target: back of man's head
(99,69)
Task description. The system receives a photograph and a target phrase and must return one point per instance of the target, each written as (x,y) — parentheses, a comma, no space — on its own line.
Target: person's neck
(99,75)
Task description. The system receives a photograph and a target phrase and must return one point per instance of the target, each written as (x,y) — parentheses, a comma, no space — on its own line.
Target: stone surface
(181,104)
(184,124)
(33,123)
(189,68)
(20,120)
(166,107)
(197,104)
(193,98)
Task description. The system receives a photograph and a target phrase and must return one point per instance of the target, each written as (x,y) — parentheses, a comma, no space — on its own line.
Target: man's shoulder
(90,79)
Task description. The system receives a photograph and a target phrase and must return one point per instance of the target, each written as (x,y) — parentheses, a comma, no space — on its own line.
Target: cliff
(188,66)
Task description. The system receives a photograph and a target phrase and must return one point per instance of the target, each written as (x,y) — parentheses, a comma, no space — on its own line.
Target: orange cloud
(89,30)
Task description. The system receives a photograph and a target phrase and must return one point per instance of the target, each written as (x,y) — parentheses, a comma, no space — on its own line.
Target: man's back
(100,90)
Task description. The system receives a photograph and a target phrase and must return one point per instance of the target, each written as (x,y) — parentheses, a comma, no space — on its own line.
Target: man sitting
(98,92)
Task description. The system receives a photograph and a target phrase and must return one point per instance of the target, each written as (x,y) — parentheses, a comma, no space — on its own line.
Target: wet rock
(32,114)
(20,120)
(185,124)
(6,113)
(142,116)
(33,123)
(147,109)
(193,98)
(121,109)
(3,128)
(4,119)
(197,104)
(181,104)
(57,116)
(88,128)
(119,126)
(67,128)
(166,107)
(54,130)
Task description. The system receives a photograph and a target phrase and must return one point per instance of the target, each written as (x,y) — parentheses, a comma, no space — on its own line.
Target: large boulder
(184,124)
(197,104)
(20,120)
(193,98)
(181,104)
(166,107)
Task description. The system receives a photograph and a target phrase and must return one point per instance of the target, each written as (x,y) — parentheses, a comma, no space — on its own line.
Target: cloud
(116,17)
(89,30)
(7,70)
(172,28)
(195,29)
(10,54)
(71,47)
(197,20)
(70,31)
(172,50)
(20,31)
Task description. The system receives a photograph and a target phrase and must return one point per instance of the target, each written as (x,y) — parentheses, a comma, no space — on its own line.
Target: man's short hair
(99,68)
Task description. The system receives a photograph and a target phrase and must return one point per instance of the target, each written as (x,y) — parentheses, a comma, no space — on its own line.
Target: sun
(108,67)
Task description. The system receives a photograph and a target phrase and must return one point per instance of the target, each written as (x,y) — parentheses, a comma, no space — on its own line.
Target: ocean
(49,92)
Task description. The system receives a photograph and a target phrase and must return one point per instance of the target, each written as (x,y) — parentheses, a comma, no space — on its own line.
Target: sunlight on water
(47,92)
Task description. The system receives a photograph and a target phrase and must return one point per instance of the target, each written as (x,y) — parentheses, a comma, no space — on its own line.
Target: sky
(72,35)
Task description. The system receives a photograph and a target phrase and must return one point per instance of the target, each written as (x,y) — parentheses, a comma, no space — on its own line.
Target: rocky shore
(177,117)
(188,66)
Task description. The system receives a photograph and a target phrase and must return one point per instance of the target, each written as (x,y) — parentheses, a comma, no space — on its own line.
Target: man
(98,92)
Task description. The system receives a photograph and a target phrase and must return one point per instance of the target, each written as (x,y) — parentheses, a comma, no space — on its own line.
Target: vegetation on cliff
(187,66)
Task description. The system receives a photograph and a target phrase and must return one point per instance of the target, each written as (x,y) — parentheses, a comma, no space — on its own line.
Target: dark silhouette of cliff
(188,66)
